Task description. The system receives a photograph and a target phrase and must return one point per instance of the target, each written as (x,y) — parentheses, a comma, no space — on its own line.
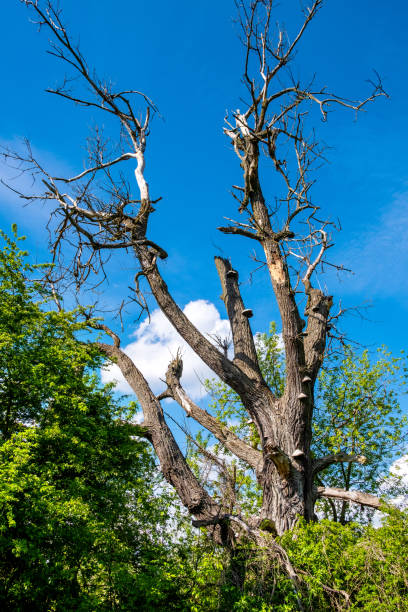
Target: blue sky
(187,58)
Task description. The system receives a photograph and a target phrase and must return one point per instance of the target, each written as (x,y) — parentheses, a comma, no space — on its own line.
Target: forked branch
(223,434)
(172,462)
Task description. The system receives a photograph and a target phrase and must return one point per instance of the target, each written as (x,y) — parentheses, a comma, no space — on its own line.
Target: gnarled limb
(240,231)
(272,115)
(173,464)
(227,438)
(247,142)
(357,497)
(317,312)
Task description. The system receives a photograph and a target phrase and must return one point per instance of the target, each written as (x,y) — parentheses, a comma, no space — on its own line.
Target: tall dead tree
(93,218)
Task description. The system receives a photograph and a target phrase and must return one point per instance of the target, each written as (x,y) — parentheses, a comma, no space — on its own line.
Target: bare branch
(173,464)
(229,372)
(227,438)
(239,231)
(324,462)
(107,330)
(357,497)
(123,157)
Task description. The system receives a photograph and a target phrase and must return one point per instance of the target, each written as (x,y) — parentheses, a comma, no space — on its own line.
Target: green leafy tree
(80,525)
(25,336)
(357,413)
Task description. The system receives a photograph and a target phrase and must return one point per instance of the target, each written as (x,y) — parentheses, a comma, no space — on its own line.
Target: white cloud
(398,479)
(156,343)
(400,468)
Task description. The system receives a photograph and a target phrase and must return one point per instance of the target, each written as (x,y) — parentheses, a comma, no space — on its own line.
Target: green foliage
(340,567)
(81,527)
(357,411)
(367,567)
(39,354)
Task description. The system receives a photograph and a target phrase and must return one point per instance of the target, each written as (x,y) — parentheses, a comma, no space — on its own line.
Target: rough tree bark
(272,123)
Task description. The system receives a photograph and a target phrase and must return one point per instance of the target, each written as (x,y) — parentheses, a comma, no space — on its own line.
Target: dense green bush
(81,524)
(340,567)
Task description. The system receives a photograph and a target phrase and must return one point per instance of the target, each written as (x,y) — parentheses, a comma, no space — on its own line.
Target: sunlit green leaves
(79,519)
(358,411)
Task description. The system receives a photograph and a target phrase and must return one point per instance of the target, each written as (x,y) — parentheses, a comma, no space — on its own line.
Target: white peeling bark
(242,124)
(182,399)
(140,179)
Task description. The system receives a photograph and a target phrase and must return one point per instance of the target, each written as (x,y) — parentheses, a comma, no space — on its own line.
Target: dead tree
(95,218)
